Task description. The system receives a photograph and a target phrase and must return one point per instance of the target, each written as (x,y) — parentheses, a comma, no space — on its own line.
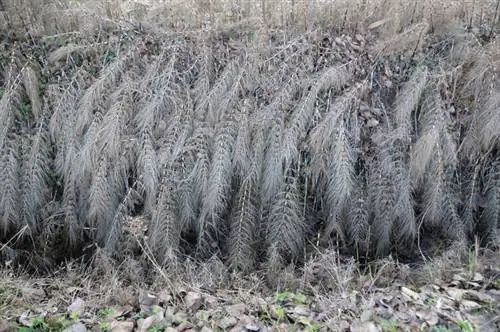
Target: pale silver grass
(489,122)
(69,207)
(215,198)
(435,138)
(111,242)
(109,138)
(358,225)
(270,122)
(242,158)
(273,168)
(154,108)
(412,38)
(9,195)
(224,100)
(9,102)
(320,138)
(243,227)
(489,222)
(331,78)
(406,223)
(407,101)
(100,205)
(204,78)
(198,162)
(99,89)
(31,85)
(64,52)
(88,153)
(208,104)
(383,196)
(35,186)
(164,231)
(339,180)
(285,226)
(440,205)
(61,123)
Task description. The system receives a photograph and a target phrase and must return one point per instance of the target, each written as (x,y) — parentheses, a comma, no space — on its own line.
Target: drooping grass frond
(472,192)
(333,162)
(109,138)
(440,204)
(489,223)
(243,227)
(242,158)
(391,198)
(9,102)
(111,243)
(286,228)
(410,40)
(147,169)
(270,122)
(490,123)
(100,202)
(435,138)
(94,94)
(164,232)
(9,195)
(213,105)
(339,180)
(31,85)
(215,199)
(408,100)
(332,78)
(72,221)
(35,185)
(358,219)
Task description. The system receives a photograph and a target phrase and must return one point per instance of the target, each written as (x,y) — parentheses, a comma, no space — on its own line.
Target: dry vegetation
(247,134)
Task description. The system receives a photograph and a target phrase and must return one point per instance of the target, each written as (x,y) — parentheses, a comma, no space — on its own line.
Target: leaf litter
(461,302)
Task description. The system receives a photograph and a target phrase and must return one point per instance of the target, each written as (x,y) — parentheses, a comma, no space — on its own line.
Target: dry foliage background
(249,131)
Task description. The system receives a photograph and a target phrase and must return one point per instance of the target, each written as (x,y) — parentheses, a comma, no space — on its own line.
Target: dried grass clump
(241,134)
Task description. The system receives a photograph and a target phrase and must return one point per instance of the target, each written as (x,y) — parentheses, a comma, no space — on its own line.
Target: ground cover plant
(251,134)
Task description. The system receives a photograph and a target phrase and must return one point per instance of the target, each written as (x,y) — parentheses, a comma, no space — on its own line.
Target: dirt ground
(389,296)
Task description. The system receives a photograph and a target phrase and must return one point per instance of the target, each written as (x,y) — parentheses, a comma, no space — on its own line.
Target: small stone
(365,327)
(372,123)
(252,327)
(77,327)
(228,322)
(206,329)
(302,311)
(236,309)
(77,307)
(124,326)
(470,305)
(193,301)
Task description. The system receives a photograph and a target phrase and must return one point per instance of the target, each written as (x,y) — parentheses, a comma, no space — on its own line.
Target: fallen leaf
(121,326)
(236,309)
(144,324)
(411,294)
(470,305)
(455,293)
(228,322)
(252,327)
(364,327)
(377,24)
(4,325)
(429,316)
(206,329)
(77,327)
(193,300)
(77,307)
